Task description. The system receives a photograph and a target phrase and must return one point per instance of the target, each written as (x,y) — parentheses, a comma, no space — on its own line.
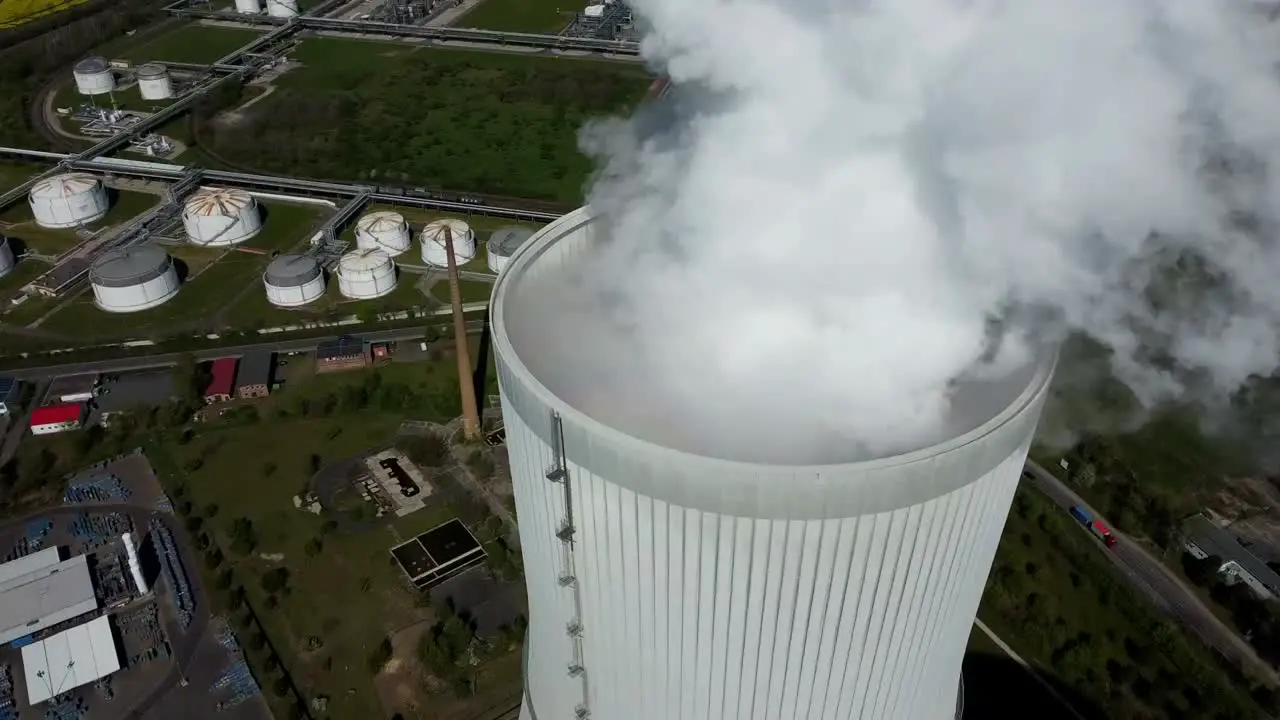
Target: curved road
(1152,578)
(184,645)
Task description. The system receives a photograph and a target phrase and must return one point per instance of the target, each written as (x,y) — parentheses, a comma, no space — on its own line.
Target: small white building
(1203,538)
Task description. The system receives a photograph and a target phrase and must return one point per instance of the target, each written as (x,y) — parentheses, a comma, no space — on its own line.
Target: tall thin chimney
(470,412)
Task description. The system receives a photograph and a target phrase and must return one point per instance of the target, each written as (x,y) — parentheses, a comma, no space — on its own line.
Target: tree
(213,559)
(235,600)
(243,537)
(275,580)
(211,510)
(268,469)
(380,655)
(224,580)
(194,523)
(280,687)
(313,547)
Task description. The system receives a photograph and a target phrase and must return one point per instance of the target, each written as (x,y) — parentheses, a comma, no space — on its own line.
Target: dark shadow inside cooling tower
(995,686)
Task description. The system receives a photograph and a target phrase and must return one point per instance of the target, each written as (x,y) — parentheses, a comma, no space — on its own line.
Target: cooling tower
(669,581)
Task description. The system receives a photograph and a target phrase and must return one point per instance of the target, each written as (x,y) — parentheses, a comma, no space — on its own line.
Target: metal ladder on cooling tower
(559,473)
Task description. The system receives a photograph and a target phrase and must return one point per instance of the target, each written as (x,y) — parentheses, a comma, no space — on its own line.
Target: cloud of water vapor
(845,197)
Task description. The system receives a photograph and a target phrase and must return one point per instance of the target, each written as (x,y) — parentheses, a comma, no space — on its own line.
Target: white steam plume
(845,193)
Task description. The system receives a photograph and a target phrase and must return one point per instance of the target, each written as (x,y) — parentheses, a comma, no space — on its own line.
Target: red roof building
(56,418)
(223,380)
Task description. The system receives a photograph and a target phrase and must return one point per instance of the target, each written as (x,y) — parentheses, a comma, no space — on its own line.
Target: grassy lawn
(17,12)
(18,223)
(350,595)
(254,311)
(14,174)
(530,16)
(472,290)
(213,276)
(24,272)
(1054,597)
(190,43)
(429,117)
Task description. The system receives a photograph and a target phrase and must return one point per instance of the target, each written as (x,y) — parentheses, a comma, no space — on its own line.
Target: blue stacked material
(171,568)
(226,637)
(99,529)
(8,703)
(239,681)
(98,488)
(37,531)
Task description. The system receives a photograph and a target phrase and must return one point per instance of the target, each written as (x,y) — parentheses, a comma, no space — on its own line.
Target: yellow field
(16,12)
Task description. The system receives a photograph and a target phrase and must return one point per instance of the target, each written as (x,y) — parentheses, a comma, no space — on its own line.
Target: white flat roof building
(68,660)
(42,591)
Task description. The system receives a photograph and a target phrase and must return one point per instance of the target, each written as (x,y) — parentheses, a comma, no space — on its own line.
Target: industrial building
(503,243)
(671,577)
(132,279)
(71,389)
(222,376)
(1203,538)
(154,82)
(248,7)
(7,258)
(216,216)
(254,378)
(438,554)
(366,274)
(384,230)
(344,353)
(293,280)
(69,660)
(52,419)
(68,200)
(433,242)
(93,76)
(10,391)
(41,590)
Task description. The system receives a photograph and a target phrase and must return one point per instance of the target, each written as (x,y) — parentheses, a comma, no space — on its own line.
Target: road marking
(1027,666)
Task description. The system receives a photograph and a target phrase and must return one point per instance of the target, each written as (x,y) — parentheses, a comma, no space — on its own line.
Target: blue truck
(1081,514)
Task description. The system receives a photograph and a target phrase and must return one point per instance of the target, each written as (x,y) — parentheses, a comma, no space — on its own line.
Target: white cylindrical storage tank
(93,76)
(7,260)
(221,216)
(68,200)
(366,274)
(292,280)
(433,242)
(282,8)
(133,278)
(248,7)
(135,567)
(709,582)
(154,82)
(383,230)
(503,243)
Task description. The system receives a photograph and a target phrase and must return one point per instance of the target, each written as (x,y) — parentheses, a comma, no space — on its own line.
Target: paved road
(141,362)
(1153,579)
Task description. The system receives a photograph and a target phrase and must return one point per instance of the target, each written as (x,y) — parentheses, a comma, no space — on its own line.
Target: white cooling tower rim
(750,488)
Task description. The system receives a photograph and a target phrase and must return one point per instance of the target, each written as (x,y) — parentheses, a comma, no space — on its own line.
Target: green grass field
(190,43)
(18,223)
(471,290)
(1054,597)
(13,174)
(213,278)
(254,311)
(350,595)
(429,117)
(14,13)
(530,16)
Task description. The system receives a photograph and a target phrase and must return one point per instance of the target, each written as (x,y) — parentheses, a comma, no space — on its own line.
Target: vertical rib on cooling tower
(559,473)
